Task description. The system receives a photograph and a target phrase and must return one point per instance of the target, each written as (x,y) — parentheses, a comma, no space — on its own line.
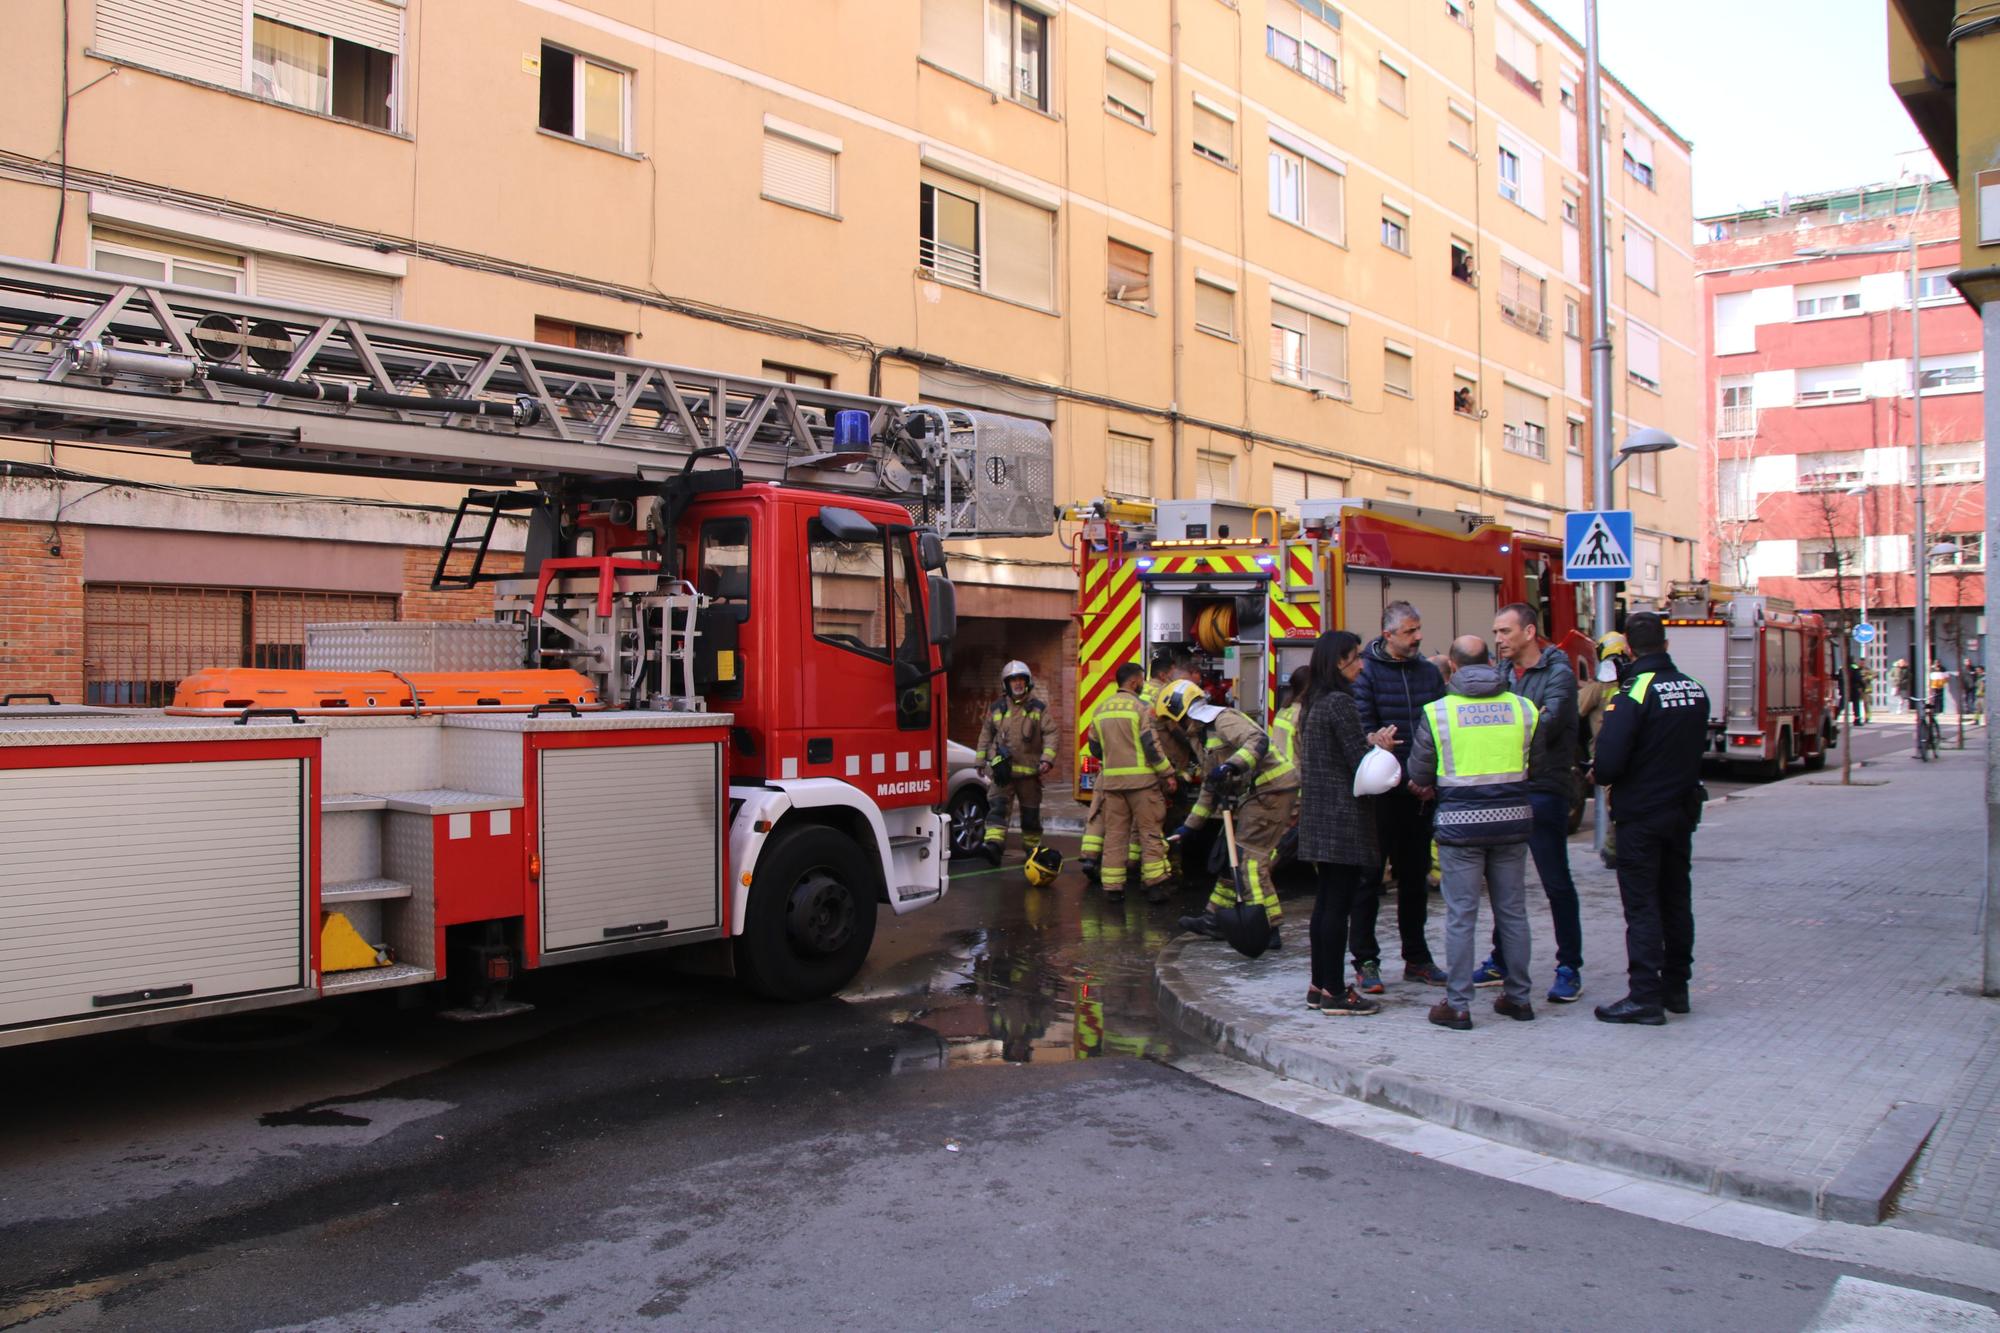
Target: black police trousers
(1654,881)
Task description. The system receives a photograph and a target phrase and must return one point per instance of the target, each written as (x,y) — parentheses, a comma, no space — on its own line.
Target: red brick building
(1811,415)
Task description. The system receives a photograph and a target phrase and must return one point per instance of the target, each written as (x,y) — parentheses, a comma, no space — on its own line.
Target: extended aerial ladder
(597,451)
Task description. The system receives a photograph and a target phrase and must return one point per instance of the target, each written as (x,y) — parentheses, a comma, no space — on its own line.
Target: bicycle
(1930,737)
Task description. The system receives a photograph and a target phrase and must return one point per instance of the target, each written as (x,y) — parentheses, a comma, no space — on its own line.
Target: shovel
(1245,925)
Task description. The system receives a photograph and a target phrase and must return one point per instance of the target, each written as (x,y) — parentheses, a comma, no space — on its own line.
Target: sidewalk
(1836,1021)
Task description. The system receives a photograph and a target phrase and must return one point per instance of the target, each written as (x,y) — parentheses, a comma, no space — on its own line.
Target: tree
(1837,555)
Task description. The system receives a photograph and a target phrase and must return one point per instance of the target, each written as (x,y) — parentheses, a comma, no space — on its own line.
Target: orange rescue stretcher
(225,691)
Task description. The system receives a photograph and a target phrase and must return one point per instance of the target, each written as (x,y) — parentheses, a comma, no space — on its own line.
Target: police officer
(1016,731)
(1240,755)
(1649,752)
(1129,794)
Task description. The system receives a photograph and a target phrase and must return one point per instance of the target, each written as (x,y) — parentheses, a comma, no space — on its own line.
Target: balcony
(1527,83)
(1523,317)
(1738,421)
(1530,441)
(948,262)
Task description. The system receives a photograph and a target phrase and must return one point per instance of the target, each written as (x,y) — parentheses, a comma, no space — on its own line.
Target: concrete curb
(1860,1194)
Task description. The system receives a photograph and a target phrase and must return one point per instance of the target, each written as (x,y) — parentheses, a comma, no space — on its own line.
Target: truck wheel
(1770,770)
(968,821)
(1815,761)
(811,916)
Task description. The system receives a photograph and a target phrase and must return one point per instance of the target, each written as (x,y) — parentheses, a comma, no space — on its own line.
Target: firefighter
(1129,788)
(1169,665)
(1250,771)
(1018,746)
(1614,660)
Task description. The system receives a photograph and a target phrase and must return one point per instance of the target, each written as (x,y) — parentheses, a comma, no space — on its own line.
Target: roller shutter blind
(1020,250)
(954,36)
(798,173)
(375,23)
(201,39)
(1130,94)
(348,291)
(1215,308)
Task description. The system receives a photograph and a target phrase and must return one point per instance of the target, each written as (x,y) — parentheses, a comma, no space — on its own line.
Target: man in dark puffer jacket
(1395,685)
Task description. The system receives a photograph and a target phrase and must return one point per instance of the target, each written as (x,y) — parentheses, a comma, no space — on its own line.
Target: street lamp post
(1600,334)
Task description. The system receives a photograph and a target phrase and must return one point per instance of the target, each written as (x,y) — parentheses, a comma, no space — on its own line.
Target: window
(1828,384)
(1735,324)
(1518,57)
(562,333)
(1510,175)
(1214,476)
(1968,550)
(1214,132)
(1129,279)
(1988,182)
(1455,11)
(141,640)
(1308,349)
(1948,464)
(1461,260)
(1396,231)
(725,577)
(1458,128)
(1392,88)
(585,99)
(1464,394)
(312,71)
(1526,430)
(1572,320)
(1933,284)
(1568,209)
(1573,436)
(799,375)
(1128,466)
(1640,258)
(1738,415)
(1290,485)
(1214,307)
(1128,89)
(799,167)
(1308,191)
(850,592)
(1524,299)
(1832,470)
(1304,36)
(1820,555)
(1959,373)
(1399,369)
(1642,357)
(999,43)
(1735,501)
(1638,157)
(157,260)
(1644,472)
(1826,298)
(972,236)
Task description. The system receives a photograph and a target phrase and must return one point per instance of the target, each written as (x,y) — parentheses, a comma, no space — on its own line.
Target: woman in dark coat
(1336,827)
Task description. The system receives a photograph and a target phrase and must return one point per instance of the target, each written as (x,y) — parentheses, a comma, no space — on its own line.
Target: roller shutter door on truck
(185,880)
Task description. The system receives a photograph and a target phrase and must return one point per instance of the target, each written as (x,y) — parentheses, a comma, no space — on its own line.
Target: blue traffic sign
(1597,546)
(1864,632)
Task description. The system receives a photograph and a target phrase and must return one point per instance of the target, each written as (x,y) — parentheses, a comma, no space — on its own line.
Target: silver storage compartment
(630,843)
(131,886)
(415,645)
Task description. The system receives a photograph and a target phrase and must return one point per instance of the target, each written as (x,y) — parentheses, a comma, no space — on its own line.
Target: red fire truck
(1769,673)
(1247,590)
(709,716)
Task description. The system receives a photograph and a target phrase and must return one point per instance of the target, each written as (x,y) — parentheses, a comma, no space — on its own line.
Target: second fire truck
(1769,673)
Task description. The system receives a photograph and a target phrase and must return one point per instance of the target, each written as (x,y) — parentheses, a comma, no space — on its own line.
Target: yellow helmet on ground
(1044,864)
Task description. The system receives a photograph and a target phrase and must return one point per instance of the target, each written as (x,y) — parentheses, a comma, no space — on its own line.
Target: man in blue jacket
(1540,672)
(1396,684)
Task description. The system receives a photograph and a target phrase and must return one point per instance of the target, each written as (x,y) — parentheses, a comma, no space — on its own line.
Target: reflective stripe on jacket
(1235,740)
(1125,746)
(1485,750)
(1020,727)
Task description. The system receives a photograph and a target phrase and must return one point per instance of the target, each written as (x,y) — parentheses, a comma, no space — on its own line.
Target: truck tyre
(1770,770)
(811,915)
(1817,759)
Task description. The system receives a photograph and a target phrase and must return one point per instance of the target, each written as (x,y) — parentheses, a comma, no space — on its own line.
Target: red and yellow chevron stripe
(1228,562)
(1299,565)
(1109,634)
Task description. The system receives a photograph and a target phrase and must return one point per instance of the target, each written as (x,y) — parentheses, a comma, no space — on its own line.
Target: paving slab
(1835,1016)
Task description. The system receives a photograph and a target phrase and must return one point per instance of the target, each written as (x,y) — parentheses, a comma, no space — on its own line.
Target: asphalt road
(938,1148)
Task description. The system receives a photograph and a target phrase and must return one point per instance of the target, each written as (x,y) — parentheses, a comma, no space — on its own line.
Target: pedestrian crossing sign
(1597,546)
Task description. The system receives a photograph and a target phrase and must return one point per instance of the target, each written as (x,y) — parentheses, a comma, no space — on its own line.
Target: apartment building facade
(1254,249)
(1812,406)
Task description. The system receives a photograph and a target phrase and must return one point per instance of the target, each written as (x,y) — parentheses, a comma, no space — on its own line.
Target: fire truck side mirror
(944,613)
(930,552)
(844,525)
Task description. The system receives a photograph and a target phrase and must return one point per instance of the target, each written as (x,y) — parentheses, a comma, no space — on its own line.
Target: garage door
(128,886)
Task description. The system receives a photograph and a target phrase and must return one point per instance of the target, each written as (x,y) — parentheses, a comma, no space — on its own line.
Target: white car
(966,796)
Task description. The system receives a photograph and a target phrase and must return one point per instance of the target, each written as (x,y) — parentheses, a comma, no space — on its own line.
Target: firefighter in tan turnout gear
(1129,797)
(1167,668)
(1245,769)
(1016,746)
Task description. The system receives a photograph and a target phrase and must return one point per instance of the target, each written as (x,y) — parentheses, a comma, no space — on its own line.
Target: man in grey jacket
(1475,749)
(1540,672)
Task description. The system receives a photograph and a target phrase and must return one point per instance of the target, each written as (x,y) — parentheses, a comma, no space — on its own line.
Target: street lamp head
(1942,550)
(1651,440)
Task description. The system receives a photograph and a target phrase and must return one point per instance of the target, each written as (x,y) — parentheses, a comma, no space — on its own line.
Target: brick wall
(985,645)
(420,603)
(41,611)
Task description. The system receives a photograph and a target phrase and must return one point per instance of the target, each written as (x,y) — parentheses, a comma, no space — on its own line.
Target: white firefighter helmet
(1016,668)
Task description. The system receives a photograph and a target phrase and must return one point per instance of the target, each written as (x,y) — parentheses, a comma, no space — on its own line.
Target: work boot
(1114,897)
(1629,1010)
(1277,940)
(992,851)
(1159,893)
(1675,1001)
(1088,865)
(1518,1010)
(1203,925)
(1445,1016)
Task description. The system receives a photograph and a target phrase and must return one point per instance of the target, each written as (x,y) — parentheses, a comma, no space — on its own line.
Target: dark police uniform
(1649,752)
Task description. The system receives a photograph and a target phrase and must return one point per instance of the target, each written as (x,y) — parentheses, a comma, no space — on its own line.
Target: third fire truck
(1768,670)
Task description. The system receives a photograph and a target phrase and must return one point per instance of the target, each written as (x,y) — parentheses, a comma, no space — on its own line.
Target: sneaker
(1350,1005)
(1445,1016)
(1368,978)
(1203,924)
(1488,973)
(1315,997)
(1430,974)
(1521,1012)
(1567,986)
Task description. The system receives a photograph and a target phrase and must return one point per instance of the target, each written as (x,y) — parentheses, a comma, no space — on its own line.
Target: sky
(1779,96)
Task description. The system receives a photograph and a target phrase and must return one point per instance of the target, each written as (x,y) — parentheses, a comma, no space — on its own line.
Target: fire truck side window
(913,658)
(850,593)
(725,563)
